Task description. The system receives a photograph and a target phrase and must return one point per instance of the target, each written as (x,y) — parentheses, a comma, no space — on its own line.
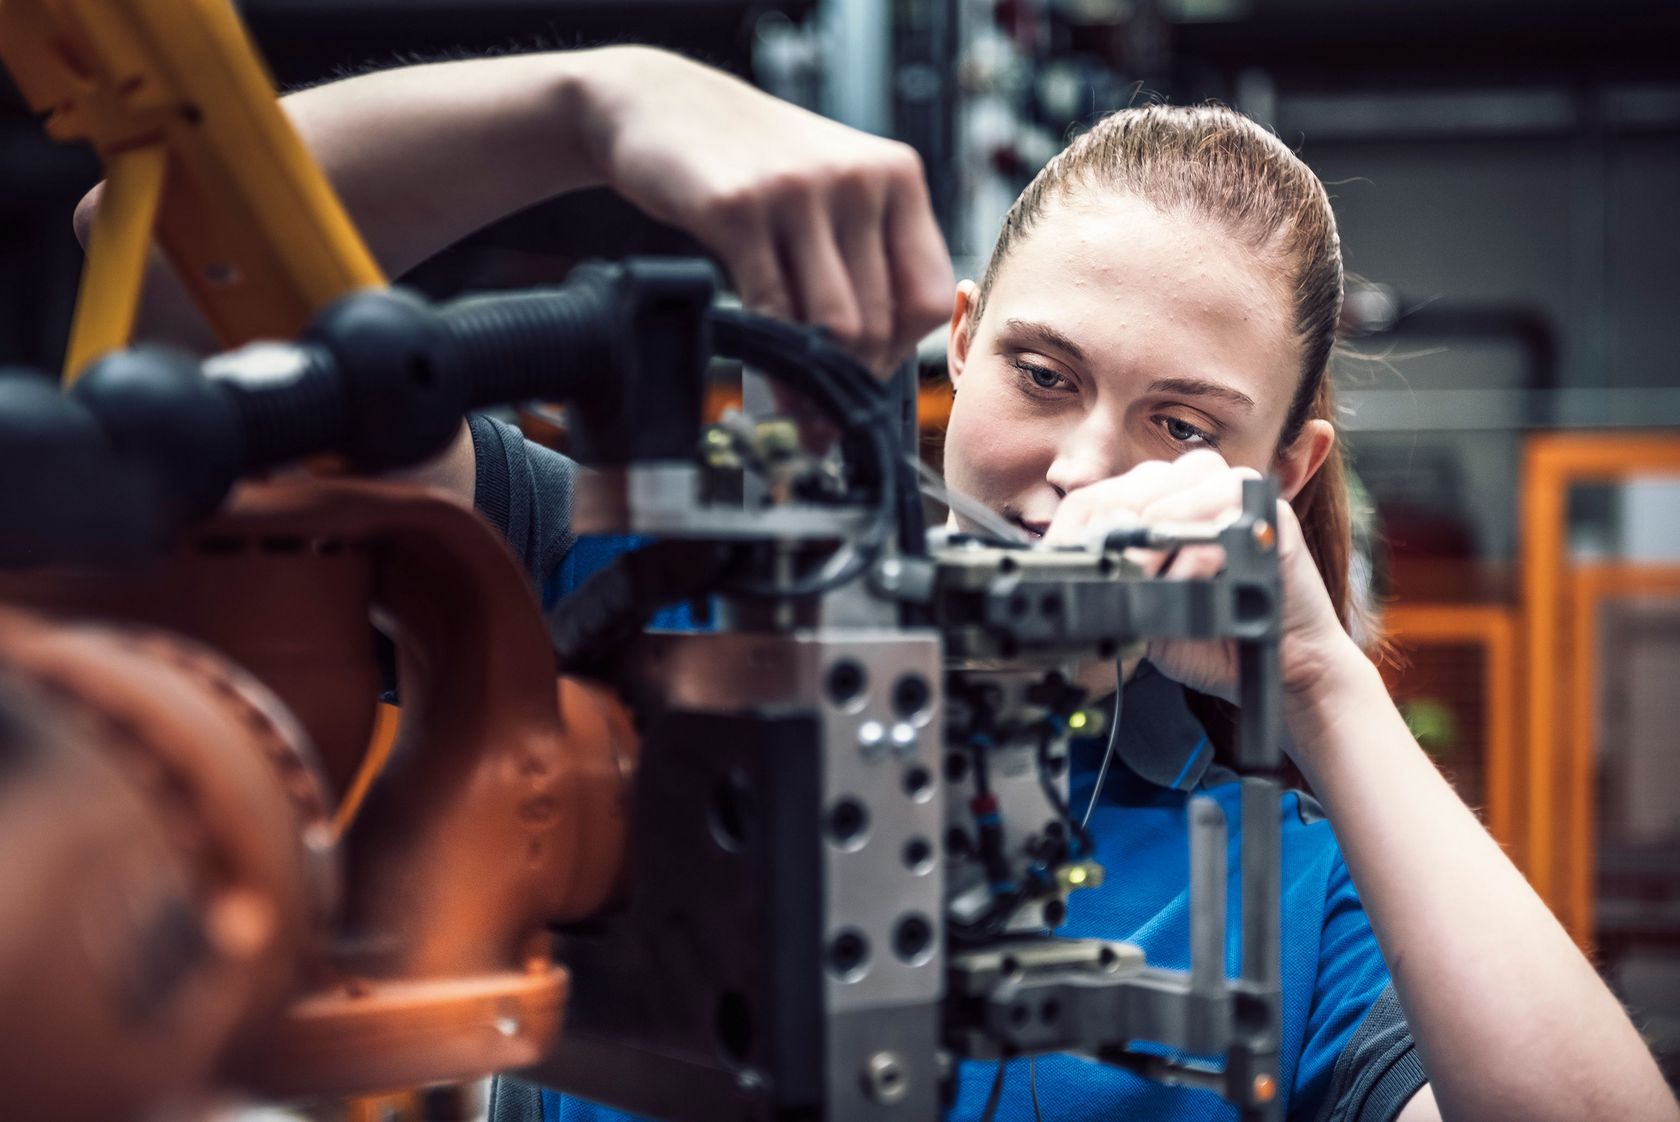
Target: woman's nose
(1092,451)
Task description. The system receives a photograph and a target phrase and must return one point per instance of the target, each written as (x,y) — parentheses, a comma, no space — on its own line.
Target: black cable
(989,824)
(982,777)
(860,407)
(800,359)
(1004,904)
(1113,743)
(912,519)
(617,603)
(1054,797)
(992,858)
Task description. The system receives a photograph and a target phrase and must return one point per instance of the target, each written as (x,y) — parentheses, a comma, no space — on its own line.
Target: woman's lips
(1036,529)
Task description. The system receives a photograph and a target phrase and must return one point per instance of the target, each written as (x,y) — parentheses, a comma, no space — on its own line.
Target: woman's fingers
(843,250)
(755,268)
(821,287)
(1215,501)
(1125,500)
(1111,500)
(1216,498)
(1196,562)
(923,284)
(859,208)
(1197,489)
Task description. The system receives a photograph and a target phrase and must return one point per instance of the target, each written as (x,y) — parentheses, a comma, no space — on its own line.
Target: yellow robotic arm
(175,101)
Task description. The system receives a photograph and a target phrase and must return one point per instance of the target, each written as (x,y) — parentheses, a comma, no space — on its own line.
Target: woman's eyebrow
(1045,335)
(1198,387)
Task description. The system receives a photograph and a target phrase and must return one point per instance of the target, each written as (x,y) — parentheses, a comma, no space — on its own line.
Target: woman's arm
(814,221)
(1510,1019)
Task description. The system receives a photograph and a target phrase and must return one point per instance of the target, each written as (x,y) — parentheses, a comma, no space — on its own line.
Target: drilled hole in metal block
(848,955)
(846,683)
(913,939)
(918,783)
(848,822)
(918,855)
(912,698)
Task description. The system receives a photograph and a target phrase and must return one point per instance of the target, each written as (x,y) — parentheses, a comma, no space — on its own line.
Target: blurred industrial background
(1505,175)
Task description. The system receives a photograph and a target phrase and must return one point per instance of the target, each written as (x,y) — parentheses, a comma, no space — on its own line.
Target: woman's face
(1116,333)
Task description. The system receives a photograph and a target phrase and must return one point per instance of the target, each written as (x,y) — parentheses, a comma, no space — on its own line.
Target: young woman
(1154,326)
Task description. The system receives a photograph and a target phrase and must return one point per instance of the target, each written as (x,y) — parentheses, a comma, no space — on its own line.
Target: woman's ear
(1300,461)
(961,330)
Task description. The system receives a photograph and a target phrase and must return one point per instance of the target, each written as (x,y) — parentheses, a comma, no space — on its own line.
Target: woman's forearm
(424,155)
(1510,1018)
(812,221)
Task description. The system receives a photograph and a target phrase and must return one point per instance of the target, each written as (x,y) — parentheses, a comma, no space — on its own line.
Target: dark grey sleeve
(514,1100)
(525,491)
(1379,1071)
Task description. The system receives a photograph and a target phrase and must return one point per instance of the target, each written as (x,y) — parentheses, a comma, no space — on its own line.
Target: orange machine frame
(1552,464)
(1493,628)
(1589,587)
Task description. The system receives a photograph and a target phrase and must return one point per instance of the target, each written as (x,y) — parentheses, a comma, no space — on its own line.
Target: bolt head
(885,1079)
(872,738)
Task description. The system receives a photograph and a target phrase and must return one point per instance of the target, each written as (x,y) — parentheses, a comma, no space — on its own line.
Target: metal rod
(1259,732)
(1261,934)
(977,512)
(1207,896)
(1260,749)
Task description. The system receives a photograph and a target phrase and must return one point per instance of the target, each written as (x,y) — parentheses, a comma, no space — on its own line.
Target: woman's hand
(816,222)
(1483,970)
(1200,487)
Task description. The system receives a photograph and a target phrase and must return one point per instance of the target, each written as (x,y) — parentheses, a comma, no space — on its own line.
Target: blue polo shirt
(1333,974)
(1334,977)
(1346,1052)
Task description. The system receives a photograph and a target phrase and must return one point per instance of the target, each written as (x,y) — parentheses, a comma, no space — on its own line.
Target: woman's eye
(1041,377)
(1184,432)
